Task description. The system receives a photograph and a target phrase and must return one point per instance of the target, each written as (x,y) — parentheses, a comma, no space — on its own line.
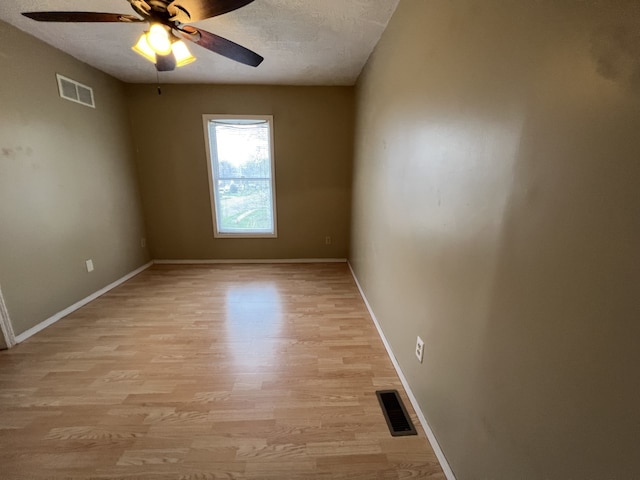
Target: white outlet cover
(420,349)
(89,265)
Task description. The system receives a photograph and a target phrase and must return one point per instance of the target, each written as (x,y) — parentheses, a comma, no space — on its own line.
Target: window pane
(245,206)
(243,150)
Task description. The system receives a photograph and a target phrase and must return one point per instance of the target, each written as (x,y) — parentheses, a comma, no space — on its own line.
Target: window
(241,175)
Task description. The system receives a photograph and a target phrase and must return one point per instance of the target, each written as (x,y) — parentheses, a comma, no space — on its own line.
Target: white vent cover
(74,91)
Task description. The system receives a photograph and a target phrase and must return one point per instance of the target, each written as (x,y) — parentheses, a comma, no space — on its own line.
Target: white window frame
(212,156)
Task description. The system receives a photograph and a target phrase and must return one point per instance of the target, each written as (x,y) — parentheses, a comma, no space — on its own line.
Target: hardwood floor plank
(260,372)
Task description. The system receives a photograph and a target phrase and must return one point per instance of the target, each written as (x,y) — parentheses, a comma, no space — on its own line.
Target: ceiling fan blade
(81,17)
(193,10)
(221,46)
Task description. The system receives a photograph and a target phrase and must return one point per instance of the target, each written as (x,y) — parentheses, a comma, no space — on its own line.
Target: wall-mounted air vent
(74,91)
(395,413)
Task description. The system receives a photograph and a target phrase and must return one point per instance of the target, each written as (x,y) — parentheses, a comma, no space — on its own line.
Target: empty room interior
(210,269)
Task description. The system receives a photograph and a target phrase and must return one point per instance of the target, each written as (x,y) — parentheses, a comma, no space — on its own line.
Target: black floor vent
(395,414)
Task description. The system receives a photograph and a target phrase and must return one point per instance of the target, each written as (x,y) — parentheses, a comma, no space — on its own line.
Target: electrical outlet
(89,265)
(420,349)
(143,242)
(327,240)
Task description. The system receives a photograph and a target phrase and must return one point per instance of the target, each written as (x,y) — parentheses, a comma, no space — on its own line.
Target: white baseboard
(249,261)
(423,421)
(51,320)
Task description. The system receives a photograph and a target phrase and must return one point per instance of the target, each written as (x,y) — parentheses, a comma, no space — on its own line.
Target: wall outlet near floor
(89,265)
(420,349)
(327,240)
(143,242)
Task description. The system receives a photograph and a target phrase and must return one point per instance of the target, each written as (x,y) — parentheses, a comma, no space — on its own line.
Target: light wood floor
(208,372)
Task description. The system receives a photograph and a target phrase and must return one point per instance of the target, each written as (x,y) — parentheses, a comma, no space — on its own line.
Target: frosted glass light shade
(179,49)
(158,39)
(144,49)
(182,53)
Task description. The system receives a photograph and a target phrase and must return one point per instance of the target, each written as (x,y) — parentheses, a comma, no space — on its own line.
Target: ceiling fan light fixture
(158,39)
(182,53)
(160,44)
(144,49)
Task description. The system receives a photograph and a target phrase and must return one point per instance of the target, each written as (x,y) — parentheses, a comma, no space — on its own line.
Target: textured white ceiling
(304,42)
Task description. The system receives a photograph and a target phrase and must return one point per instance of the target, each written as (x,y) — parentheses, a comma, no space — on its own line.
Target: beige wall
(68,186)
(497,215)
(313,130)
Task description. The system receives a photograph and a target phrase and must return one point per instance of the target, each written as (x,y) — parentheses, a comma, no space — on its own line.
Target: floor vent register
(395,413)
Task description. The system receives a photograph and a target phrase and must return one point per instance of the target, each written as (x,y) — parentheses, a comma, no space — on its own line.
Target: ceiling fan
(162,44)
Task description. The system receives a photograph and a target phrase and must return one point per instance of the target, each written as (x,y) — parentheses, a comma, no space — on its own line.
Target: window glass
(241,175)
